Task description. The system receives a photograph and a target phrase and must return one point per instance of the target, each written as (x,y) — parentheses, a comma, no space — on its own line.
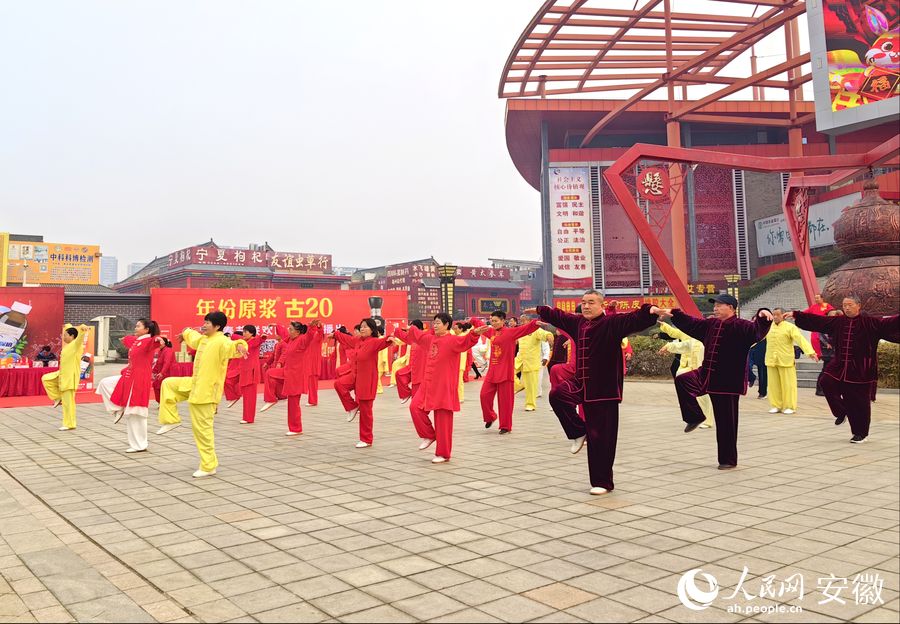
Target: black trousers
(725,411)
(853,400)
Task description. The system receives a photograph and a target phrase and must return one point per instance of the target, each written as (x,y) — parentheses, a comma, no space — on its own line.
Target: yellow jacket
(780,344)
(530,349)
(210,364)
(402,360)
(70,360)
(691,349)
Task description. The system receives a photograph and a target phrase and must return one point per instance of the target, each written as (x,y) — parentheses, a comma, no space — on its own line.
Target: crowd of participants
(586,356)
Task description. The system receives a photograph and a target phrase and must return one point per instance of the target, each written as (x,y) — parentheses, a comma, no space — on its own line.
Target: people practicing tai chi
(368,345)
(851,373)
(244,384)
(781,367)
(820,307)
(532,359)
(203,389)
(409,378)
(62,383)
(439,392)
(723,376)
(290,375)
(691,352)
(313,368)
(499,381)
(345,382)
(598,380)
(128,394)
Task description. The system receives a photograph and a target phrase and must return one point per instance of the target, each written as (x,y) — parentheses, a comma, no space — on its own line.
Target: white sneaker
(577,443)
(167,428)
(307,404)
(405,401)
(134,450)
(390,386)
(788,411)
(774,410)
(439,460)
(66,428)
(425,444)
(704,426)
(266,406)
(117,416)
(200,474)
(246,422)
(598,491)
(529,409)
(293,433)
(362,444)
(232,403)
(57,403)
(351,415)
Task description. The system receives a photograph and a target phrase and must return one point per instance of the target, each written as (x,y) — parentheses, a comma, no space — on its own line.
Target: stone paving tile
(317,531)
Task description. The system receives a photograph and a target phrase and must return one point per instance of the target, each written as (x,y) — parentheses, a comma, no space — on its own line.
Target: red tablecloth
(181,369)
(23,381)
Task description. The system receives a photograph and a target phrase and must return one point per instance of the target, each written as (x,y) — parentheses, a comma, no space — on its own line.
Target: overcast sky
(367,129)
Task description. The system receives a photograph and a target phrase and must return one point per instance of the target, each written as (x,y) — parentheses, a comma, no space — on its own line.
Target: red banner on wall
(29,319)
(186,307)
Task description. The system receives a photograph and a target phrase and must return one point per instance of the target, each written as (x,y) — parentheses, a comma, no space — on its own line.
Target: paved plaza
(311,529)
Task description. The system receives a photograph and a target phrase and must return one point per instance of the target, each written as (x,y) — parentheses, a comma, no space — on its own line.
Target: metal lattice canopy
(637,47)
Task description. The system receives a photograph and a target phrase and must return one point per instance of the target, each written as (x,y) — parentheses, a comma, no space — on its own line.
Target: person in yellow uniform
(691,351)
(203,389)
(780,366)
(62,383)
(530,355)
(384,367)
(461,329)
(401,361)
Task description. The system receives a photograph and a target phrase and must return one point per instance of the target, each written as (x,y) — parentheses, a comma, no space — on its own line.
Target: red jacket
(294,357)
(440,386)
(135,385)
(314,356)
(503,351)
(366,363)
(250,367)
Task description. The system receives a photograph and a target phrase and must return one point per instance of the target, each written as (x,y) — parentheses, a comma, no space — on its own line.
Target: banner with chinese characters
(773,236)
(571,245)
(623,303)
(29,319)
(52,263)
(278,261)
(186,307)
(482,273)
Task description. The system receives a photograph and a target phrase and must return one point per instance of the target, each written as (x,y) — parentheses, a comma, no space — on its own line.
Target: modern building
(212,265)
(134,267)
(109,270)
(579,96)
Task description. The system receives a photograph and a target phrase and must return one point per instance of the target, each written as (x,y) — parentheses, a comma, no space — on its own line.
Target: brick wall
(81,308)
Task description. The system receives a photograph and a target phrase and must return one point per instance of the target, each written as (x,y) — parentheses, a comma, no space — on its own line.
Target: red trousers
(248,394)
(505,393)
(157,388)
(294,416)
(272,390)
(366,421)
(852,400)
(404,382)
(312,392)
(442,430)
(232,388)
(344,385)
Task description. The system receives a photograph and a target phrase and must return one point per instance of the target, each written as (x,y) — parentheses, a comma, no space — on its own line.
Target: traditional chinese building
(257,266)
(478,291)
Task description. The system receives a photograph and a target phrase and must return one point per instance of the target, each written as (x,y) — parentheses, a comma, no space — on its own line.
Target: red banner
(29,319)
(186,307)
(278,261)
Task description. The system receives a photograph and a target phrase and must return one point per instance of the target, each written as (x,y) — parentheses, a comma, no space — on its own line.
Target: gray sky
(370,130)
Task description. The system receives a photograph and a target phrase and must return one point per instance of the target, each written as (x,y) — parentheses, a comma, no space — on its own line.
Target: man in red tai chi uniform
(409,378)
(598,379)
(499,381)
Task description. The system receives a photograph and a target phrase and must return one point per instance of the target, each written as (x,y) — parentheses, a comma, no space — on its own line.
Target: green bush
(888,365)
(647,361)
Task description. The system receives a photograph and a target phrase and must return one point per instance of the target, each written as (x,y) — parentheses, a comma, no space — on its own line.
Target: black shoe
(840,420)
(504,431)
(726,466)
(819,393)
(857,439)
(691,426)
(490,424)
(762,396)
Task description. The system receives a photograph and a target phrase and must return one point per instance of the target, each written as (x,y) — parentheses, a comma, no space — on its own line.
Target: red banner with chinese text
(186,307)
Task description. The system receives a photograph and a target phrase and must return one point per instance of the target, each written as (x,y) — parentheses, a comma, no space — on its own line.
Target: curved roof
(594,46)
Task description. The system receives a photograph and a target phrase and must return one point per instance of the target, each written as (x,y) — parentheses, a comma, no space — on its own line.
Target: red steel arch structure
(594,46)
